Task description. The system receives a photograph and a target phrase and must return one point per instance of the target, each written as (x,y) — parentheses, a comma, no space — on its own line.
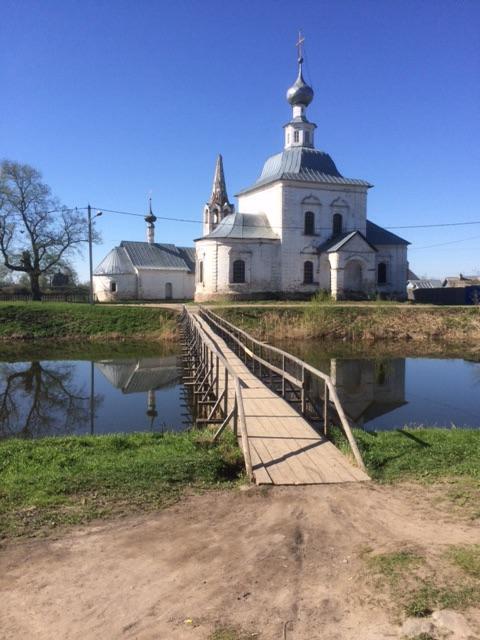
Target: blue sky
(114,100)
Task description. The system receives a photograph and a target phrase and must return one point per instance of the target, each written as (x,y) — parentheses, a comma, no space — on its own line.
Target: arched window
(309,223)
(308,272)
(200,271)
(337,224)
(296,136)
(381,273)
(238,271)
(306,137)
(113,286)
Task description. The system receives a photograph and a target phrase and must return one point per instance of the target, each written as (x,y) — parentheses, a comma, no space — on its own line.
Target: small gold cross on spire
(299,44)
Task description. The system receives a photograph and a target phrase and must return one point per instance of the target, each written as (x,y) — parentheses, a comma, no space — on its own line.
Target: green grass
(417,454)
(231,633)
(54,481)
(391,565)
(467,558)
(64,320)
(424,600)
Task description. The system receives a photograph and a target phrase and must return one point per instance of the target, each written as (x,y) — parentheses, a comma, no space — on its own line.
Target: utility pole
(90,259)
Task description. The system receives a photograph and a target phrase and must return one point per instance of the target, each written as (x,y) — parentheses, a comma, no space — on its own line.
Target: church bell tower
(218,206)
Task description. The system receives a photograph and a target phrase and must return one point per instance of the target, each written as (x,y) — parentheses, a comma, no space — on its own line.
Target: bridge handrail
(219,321)
(207,340)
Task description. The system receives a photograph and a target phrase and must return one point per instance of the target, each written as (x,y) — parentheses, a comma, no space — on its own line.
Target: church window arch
(238,271)
(308,272)
(382,273)
(296,136)
(200,271)
(113,286)
(309,223)
(337,224)
(306,137)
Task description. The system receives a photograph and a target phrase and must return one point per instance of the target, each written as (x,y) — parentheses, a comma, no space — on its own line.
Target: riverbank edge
(64,322)
(378,323)
(52,482)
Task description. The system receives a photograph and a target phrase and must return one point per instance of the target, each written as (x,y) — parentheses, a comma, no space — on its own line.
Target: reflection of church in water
(368,389)
(146,375)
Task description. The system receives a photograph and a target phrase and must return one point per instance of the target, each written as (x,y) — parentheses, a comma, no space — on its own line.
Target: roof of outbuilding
(305,165)
(378,235)
(159,256)
(116,262)
(244,226)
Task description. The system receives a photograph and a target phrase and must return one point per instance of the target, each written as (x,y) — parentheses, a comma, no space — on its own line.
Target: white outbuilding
(145,270)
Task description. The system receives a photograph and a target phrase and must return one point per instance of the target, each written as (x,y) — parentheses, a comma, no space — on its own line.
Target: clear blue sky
(113,100)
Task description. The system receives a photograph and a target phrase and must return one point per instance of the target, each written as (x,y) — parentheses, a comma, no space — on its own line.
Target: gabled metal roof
(244,226)
(144,255)
(378,235)
(115,263)
(305,165)
(336,243)
(133,376)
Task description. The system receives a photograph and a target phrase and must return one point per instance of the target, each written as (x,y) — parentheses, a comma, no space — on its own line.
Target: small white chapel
(300,228)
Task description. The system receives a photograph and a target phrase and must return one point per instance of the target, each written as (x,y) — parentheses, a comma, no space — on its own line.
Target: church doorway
(353,281)
(168,291)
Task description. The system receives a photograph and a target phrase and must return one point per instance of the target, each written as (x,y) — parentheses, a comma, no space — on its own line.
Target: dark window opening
(296,136)
(382,273)
(238,274)
(113,286)
(337,224)
(200,271)
(308,272)
(309,226)
(306,137)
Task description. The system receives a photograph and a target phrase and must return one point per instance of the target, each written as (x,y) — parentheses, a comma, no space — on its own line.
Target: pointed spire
(219,190)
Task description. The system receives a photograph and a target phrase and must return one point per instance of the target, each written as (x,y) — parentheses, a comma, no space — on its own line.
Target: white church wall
(324,201)
(125,286)
(160,284)
(269,201)
(261,272)
(395,257)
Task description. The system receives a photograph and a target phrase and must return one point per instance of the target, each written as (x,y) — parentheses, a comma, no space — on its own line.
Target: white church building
(300,228)
(145,270)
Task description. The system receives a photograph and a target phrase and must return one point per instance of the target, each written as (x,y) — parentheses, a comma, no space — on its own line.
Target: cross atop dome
(299,131)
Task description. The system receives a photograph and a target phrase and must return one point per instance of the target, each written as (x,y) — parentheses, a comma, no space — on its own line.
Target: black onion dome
(300,92)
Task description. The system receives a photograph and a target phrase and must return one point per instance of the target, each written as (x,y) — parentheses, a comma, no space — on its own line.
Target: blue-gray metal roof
(158,256)
(115,263)
(378,235)
(132,376)
(305,165)
(336,243)
(245,226)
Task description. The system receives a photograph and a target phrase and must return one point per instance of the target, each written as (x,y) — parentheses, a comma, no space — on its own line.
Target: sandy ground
(283,563)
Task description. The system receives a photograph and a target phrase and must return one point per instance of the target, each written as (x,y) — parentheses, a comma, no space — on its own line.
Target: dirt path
(255,559)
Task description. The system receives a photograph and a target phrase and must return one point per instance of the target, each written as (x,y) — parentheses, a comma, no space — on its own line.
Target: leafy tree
(37,233)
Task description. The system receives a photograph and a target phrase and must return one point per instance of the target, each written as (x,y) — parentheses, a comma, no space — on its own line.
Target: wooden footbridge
(270,398)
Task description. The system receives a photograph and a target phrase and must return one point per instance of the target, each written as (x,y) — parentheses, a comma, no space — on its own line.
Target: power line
(259,226)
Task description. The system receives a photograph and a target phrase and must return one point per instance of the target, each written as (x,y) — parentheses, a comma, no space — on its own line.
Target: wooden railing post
(326,400)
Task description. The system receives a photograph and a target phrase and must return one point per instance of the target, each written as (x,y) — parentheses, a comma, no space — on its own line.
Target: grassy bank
(60,321)
(54,481)
(367,321)
(418,454)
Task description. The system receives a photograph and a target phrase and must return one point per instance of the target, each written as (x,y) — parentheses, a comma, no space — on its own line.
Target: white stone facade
(301,228)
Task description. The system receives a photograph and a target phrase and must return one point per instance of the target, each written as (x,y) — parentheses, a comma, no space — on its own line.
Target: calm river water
(133,389)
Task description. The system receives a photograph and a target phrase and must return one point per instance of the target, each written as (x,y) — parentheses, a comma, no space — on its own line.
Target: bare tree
(37,233)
